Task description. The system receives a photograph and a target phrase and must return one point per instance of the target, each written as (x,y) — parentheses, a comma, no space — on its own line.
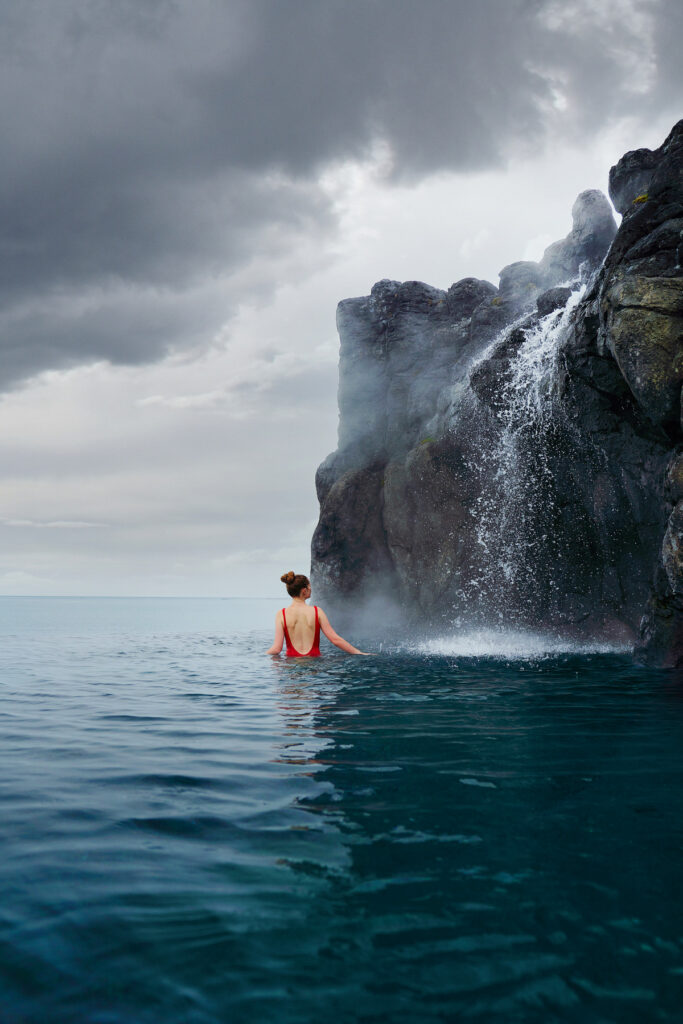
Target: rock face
(641,325)
(513,454)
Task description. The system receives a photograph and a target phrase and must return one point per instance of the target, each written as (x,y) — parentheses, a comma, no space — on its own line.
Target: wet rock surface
(552,299)
(513,454)
(629,180)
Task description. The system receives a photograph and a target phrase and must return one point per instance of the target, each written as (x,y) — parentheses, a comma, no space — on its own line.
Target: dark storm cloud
(667,41)
(151,147)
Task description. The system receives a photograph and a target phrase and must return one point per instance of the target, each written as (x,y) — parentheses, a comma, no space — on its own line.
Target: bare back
(300,625)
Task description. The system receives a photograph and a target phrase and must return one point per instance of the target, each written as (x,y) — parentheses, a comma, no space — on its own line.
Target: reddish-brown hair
(295,583)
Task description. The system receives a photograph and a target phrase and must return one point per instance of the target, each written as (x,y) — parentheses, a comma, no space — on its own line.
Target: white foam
(511,645)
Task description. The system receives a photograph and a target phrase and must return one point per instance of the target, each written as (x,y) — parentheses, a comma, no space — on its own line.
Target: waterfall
(516,512)
(527,392)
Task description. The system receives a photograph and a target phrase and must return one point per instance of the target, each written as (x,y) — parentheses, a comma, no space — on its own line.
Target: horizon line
(141,597)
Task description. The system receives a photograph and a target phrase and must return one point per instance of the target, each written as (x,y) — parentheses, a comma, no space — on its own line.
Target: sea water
(484,827)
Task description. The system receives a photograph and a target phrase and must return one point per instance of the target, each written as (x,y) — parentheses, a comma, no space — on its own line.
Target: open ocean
(483,828)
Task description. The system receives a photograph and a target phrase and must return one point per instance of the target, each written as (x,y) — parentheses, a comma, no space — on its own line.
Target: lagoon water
(483,828)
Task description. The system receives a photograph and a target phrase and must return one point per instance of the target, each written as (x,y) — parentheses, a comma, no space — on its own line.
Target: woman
(300,625)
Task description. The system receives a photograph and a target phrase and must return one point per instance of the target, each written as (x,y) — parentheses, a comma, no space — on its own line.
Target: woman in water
(300,625)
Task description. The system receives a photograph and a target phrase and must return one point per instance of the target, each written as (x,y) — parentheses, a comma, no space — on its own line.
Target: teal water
(483,828)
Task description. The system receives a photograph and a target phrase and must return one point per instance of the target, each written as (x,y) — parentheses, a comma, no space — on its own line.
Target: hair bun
(288,577)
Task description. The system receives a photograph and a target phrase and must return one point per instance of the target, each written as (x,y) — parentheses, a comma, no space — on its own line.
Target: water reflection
(303,691)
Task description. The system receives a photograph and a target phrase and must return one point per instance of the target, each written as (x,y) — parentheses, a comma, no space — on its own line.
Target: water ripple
(486,828)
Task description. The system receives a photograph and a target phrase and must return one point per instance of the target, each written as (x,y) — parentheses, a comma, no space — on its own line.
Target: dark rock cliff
(514,454)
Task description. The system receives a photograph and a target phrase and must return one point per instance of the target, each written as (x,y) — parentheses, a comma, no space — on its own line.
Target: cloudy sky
(190,186)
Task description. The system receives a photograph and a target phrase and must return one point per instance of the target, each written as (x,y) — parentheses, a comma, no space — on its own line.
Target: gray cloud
(152,149)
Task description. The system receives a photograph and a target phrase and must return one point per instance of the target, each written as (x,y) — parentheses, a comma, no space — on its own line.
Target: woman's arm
(279,636)
(333,637)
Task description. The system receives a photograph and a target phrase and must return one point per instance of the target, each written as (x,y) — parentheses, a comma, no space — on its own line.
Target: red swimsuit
(315,649)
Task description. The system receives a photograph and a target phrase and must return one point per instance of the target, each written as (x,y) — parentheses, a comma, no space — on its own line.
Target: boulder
(521,283)
(463,297)
(629,179)
(642,319)
(584,248)
(552,299)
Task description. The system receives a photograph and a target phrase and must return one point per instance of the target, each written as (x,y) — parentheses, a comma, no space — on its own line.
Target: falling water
(528,391)
(516,510)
